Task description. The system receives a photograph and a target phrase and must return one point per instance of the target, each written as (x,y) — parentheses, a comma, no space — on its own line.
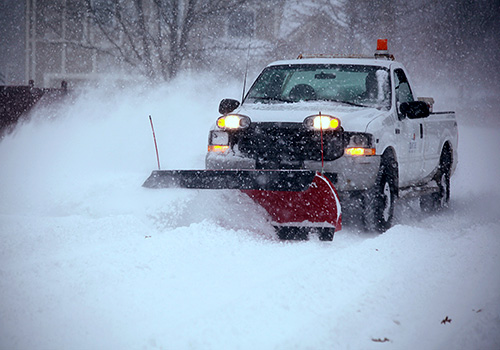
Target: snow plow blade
(266,180)
(295,199)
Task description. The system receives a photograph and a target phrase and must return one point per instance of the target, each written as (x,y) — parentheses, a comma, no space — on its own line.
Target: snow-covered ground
(91,260)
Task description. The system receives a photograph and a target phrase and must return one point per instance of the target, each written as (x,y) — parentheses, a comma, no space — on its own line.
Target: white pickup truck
(356,119)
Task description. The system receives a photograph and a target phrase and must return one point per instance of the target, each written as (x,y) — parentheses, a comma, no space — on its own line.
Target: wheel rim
(386,213)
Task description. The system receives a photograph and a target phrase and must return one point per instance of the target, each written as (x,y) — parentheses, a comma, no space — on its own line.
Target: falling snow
(90,259)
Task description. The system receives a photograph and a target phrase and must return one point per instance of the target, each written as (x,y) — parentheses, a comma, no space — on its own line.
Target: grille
(287,145)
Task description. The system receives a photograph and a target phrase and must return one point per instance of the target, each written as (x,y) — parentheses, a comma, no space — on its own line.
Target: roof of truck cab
(350,61)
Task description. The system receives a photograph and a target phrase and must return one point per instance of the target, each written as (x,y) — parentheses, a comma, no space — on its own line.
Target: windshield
(366,86)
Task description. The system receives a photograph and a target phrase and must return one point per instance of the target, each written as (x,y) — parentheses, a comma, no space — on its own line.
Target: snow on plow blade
(293,198)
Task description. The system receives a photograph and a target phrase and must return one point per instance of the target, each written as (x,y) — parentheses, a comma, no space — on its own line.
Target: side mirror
(228,105)
(414,109)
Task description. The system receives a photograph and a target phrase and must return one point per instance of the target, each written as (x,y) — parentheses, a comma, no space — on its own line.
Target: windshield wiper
(268,98)
(278,99)
(346,102)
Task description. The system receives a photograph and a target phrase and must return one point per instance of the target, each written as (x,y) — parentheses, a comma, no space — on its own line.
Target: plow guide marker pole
(154,138)
(322,152)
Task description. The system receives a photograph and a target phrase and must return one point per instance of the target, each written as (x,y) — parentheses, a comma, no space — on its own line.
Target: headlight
(360,144)
(233,121)
(322,122)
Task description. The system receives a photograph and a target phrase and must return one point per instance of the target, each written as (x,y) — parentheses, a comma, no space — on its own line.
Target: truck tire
(296,233)
(379,200)
(325,233)
(439,200)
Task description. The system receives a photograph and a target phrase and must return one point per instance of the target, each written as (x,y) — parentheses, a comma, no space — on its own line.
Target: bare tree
(319,26)
(156,36)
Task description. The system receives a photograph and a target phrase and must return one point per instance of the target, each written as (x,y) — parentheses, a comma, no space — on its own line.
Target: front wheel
(379,201)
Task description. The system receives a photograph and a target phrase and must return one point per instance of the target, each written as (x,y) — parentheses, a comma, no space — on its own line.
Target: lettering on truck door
(411,138)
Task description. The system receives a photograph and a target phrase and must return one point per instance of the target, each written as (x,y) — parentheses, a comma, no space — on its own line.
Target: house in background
(65,42)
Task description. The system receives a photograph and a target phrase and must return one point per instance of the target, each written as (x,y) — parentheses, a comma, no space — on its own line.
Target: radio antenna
(246,73)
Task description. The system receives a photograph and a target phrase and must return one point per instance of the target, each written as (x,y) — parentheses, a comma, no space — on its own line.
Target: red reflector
(382,45)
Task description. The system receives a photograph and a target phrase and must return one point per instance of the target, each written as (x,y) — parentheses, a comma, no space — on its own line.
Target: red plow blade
(318,204)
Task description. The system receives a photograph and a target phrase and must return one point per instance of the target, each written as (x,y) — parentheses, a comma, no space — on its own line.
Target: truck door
(411,134)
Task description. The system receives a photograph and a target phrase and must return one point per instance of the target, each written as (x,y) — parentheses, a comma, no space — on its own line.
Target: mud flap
(293,198)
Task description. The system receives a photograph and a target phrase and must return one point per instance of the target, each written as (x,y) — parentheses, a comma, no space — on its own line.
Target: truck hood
(352,118)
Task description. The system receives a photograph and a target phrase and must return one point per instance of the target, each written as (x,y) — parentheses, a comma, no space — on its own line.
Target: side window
(403,91)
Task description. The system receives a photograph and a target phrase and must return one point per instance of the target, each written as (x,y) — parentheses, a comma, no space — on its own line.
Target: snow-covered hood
(352,118)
